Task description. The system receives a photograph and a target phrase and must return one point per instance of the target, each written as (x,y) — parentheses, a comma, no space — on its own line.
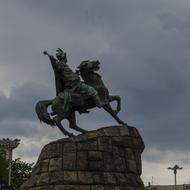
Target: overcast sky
(144,50)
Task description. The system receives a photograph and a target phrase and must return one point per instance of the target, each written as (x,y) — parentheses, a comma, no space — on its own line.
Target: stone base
(105,159)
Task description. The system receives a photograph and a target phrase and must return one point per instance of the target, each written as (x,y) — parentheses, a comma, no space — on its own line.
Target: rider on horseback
(67,81)
(71,94)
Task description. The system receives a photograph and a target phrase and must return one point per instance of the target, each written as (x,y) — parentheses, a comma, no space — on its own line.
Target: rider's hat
(60,53)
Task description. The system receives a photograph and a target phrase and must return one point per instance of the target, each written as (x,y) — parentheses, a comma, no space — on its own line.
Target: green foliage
(21,171)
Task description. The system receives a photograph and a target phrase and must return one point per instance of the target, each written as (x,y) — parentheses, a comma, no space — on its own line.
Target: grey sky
(144,48)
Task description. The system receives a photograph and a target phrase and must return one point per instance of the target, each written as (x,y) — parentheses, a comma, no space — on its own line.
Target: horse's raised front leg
(108,108)
(118,99)
(57,121)
(73,125)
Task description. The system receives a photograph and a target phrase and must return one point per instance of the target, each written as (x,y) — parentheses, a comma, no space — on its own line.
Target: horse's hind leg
(60,126)
(62,129)
(118,99)
(73,125)
(108,108)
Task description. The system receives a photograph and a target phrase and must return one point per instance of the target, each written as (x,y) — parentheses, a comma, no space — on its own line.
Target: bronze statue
(72,94)
(67,80)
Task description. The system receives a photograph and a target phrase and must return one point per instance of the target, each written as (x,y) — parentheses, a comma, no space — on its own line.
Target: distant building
(7,146)
(169,187)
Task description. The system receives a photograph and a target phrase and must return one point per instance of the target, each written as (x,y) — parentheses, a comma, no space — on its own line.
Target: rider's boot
(97,101)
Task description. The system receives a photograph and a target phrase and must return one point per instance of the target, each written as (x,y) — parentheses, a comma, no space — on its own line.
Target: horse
(66,103)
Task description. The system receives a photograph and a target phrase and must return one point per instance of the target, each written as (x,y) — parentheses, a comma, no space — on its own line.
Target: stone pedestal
(105,159)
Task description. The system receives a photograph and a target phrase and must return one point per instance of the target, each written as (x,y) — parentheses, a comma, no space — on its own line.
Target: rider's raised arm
(53,61)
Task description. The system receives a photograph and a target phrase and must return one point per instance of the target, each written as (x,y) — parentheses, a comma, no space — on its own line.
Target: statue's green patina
(72,94)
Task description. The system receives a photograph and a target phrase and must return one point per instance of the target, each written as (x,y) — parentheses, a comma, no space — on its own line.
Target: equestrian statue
(74,94)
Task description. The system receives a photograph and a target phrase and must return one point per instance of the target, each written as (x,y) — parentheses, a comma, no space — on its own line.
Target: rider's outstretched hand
(45,52)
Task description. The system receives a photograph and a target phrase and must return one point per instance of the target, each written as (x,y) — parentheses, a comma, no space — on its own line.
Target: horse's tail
(42,113)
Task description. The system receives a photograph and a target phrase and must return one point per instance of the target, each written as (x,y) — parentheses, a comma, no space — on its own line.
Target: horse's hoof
(84,131)
(125,124)
(70,134)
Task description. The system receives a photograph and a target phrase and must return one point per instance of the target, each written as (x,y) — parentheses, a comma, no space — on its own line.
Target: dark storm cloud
(21,102)
(18,129)
(144,47)
(17,112)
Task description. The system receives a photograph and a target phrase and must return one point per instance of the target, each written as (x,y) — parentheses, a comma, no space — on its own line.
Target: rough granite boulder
(105,159)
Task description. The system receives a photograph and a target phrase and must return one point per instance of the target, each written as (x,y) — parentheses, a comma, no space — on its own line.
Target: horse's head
(89,66)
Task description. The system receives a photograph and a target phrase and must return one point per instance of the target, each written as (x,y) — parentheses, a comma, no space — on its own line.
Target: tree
(21,171)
